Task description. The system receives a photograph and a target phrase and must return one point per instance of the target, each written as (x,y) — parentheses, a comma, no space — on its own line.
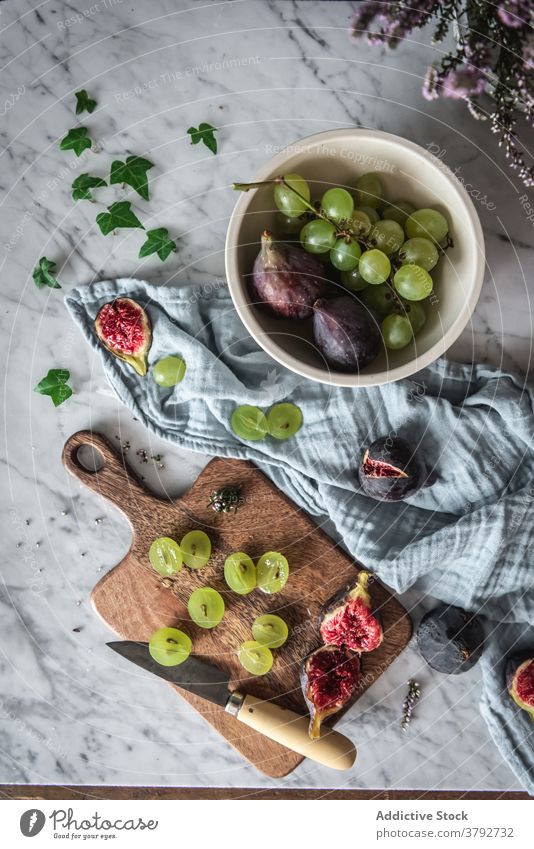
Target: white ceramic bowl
(408,172)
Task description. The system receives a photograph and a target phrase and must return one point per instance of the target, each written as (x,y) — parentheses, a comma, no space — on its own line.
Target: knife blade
(284,726)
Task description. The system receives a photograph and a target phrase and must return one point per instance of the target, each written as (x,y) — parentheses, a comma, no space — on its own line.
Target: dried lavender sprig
(414,694)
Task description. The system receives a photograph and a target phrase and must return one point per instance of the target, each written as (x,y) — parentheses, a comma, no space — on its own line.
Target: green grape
(413,282)
(196,549)
(374,266)
(249,423)
(286,200)
(270,630)
(318,236)
(398,211)
(369,191)
(205,607)
(353,280)
(284,420)
(169,371)
(371,213)
(240,573)
(165,556)
(169,646)
(337,204)
(255,658)
(286,226)
(388,236)
(421,252)
(380,299)
(415,313)
(360,223)
(345,255)
(272,570)
(396,331)
(428,223)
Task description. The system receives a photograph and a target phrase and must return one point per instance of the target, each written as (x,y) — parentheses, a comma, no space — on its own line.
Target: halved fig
(124,329)
(348,619)
(450,639)
(329,677)
(520,681)
(390,470)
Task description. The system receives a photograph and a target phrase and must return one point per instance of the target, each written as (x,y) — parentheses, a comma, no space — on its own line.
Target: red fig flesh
(286,280)
(349,621)
(329,677)
(124,329)
(520,683)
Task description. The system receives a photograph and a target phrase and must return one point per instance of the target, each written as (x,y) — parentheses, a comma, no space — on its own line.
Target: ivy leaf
(82,185)
(55,385)
(44,274)
(133,173)
(157,242)
(84,102)
(118,215)
(204,133)
(76,140)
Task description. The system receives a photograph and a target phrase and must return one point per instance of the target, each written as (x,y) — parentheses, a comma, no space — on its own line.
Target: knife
(280,724)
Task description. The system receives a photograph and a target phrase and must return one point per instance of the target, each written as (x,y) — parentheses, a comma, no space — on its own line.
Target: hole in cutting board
(90,458)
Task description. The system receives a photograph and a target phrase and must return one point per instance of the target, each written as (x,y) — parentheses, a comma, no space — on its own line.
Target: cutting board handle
(113,480)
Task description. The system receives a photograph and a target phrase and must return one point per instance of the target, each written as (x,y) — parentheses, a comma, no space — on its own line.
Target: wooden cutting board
(133,601)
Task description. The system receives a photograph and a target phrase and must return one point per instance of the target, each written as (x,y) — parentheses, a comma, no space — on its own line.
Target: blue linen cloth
(466,539)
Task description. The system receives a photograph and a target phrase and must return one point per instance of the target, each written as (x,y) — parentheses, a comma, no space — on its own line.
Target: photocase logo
(32,822)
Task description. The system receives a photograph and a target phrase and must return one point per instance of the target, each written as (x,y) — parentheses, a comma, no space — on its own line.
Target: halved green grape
(169,646)
(166,556)
(421,252)
(413,282)
(374,266)
(284,420)
(388,236)
(353,280)
(286,226)
(196,549)
(415,313)
(360,223)
(288,201)
(345,255)
(396,331)
(427,223)
(270,630)
(318,236)
(255,658)
(398,211)
(369,191)
(169,371)
(371,213)
(249,423)
(337,204)
(205,607)
(272,572)
(240,572)
(379,298)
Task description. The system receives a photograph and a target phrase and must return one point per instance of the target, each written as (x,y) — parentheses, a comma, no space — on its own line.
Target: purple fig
(346,333)
(286,280)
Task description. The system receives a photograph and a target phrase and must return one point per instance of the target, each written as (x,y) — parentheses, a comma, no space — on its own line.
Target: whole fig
(346,333)
(520,681)
(450,639)
(124,329)
(329,677)
(286,280)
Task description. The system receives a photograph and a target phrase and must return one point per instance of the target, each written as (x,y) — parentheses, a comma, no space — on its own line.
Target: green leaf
(133,173)
(84,102)
(157,242)
(118,215)
(44,274)
(204,133)
(76,140)
(55,385)
(82,185)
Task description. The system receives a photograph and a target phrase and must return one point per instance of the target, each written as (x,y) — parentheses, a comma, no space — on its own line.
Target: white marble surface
(67,713)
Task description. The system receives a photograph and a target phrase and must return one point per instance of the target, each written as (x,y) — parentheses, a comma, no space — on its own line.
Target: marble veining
(266,74)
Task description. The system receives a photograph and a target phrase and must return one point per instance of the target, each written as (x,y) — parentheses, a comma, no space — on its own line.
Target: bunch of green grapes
(384,252)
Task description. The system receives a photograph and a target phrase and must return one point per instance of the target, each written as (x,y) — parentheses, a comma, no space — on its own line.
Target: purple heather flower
(464,82)
(514,13)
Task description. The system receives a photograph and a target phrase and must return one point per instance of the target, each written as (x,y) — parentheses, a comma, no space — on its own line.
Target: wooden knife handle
(291,730)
